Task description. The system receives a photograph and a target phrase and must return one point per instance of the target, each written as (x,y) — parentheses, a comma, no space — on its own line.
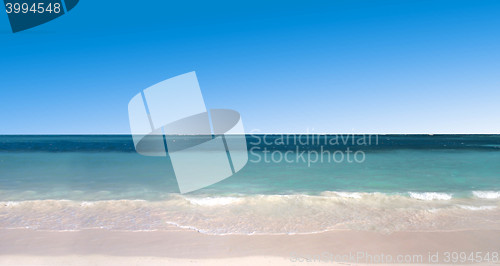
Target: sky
(287,66)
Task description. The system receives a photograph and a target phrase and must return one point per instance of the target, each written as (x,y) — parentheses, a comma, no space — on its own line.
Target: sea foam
(477,208)
(430,196)
(486,194)
(352,195)
(214,201)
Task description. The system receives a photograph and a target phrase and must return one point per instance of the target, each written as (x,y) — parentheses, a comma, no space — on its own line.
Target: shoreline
(25,246)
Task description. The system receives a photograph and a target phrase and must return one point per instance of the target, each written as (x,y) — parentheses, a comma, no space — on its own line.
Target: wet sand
(104,247)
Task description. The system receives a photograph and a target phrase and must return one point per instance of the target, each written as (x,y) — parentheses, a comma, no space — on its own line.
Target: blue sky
(286,66)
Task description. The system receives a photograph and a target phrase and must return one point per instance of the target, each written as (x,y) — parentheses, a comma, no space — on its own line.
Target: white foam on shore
(486,194)
(477,208)
(87,203)
(352,195)
(10,203)
(430,196)
(214,201)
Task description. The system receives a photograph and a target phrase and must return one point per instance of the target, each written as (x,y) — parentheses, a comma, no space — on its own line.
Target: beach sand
(187,247)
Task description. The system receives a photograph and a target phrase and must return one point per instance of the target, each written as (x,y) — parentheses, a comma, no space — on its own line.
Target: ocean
(291,184)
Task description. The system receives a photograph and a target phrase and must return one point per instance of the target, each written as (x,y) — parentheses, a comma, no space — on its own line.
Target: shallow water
(403,183)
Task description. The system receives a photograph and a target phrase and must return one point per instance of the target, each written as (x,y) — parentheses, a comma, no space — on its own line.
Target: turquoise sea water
(386,182)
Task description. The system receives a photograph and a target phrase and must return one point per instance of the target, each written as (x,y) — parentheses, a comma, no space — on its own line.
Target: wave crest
(430,196)
(486,194)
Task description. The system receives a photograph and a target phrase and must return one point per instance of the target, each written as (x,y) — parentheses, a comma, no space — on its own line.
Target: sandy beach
(104,247)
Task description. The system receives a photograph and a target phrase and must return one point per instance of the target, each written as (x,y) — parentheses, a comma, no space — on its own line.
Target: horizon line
(255,133)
